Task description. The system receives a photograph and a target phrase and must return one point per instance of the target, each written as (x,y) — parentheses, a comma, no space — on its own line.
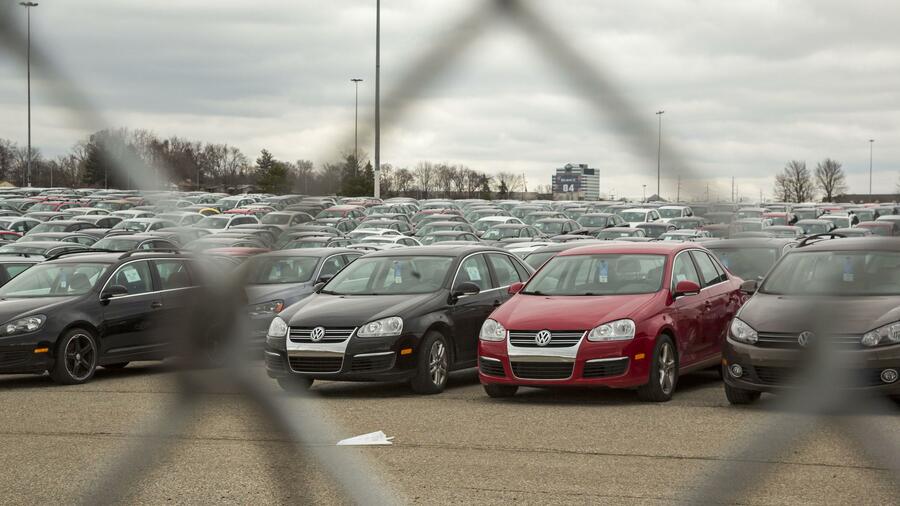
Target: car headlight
(384,327)
(742,332)
(882,336)
(491,330)
(277,328)
(618,330)
(23,325)
(264,308)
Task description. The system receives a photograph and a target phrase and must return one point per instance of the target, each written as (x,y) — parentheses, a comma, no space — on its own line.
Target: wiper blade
(534,292)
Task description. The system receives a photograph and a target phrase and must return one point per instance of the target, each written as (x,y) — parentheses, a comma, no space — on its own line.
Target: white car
(220,222)
(483,224)
(634,217)
(666,213)
(361,233)
(402,240)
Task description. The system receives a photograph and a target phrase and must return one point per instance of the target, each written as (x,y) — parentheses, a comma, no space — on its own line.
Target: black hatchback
(401,314)
(70,315)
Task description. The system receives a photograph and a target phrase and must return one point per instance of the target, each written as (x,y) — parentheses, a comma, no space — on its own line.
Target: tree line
(189,164)
(797,183)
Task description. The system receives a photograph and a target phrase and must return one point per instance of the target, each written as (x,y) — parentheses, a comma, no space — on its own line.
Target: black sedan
(402,314)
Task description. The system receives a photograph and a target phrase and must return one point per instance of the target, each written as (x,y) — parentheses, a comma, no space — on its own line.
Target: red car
(613,315)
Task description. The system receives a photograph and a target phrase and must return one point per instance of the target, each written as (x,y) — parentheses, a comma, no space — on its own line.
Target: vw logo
(542,338)
(805,338)
(317,334)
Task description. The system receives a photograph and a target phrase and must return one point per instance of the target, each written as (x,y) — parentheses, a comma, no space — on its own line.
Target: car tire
(76,358)
(738,396)
(663,372)
(295,384)
(432,365)
(117,365)
(497,391)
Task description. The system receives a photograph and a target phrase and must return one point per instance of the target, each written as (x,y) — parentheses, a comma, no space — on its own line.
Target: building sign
(566,183)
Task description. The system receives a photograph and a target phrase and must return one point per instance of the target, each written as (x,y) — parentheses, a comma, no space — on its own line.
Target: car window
(504,269)
(684,270)
(134,276)
(172,274)
(708,271)
(332,266)
(9,271)
(474,270)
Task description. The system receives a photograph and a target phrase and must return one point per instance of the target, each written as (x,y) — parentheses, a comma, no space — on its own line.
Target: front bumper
(615,364)
(22,359)
(776,370)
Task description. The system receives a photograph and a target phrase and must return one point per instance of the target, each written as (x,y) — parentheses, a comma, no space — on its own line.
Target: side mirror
(515,288)
(113,290)
(324,279)
(465,289)
(318,287)
(749,287)
(686,287)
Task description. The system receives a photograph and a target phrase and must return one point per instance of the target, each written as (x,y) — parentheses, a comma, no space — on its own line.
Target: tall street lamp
(658,151)
(377,99)
(28,6)
(871,144)
(356,82)
(645,193)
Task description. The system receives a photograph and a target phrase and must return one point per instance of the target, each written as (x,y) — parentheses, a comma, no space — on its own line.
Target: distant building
(576,181)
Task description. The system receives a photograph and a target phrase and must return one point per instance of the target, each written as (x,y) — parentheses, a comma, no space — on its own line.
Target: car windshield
(49,227)
(54,280)
(114,244)
(482,226)
(593,221)
(496,233)
(227,204)
(806,214)
(606,274)
(877,230)
(217,222)
(536,260)
(865,214)
(615,234)
(751,226)
(669,213)
(839,221)
(633,216)
(747,263)
(276,219)
(278,270)
(749,213)
(394,275)
(42,207)
(301,244)
(550,228)
(778,220)
(836,273)
(814,228)
(788,233)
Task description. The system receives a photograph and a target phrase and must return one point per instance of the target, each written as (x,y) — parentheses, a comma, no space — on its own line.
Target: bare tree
(510,181)
(305,173)
(830,178)
(795,183)
(403,180)
(443,178)
(424,176)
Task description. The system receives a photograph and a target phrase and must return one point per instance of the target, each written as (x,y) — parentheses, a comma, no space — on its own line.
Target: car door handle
(156,305)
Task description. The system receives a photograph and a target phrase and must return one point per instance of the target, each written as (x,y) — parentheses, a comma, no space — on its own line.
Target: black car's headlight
(384,327)
(22,325)
(882,336)
(742,332)
(278,328)
(266,308)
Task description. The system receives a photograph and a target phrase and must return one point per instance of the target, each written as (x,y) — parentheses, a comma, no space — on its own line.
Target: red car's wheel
(663,372)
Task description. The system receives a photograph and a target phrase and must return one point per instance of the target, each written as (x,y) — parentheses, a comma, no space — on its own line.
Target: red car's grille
(543,370)
(558,338)
(605,368)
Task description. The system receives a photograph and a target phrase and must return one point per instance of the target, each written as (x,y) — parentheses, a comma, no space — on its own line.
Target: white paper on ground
(372,438)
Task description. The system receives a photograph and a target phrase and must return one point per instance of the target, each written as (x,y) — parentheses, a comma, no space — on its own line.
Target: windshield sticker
(473,273)
(398,278)
(848,270)
(603,272)
(131,275)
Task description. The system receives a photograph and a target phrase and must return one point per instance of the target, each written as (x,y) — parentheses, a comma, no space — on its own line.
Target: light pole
(658,151)
(871,143)
(644,199)
(356,81)
(377,99)
(28,6)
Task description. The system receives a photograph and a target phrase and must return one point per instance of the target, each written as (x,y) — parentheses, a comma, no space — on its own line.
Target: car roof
(554,248)
(308,252)
(440,249)
(749,242)
(869,243)
(654,248)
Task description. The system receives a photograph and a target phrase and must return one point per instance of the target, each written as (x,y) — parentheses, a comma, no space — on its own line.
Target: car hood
(355,310)
(838,315)
(11,309)
(538,312)
(288,292)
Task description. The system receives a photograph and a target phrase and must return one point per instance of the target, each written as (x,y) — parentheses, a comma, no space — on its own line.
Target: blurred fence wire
(310,430)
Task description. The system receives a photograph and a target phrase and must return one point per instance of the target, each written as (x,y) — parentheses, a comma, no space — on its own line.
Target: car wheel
(737,396)
(76,358)
(117,365)
(497,391)
(433,365)
(663,372)
(295,384)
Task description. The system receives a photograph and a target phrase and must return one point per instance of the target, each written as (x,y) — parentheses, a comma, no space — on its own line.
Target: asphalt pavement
(540,447)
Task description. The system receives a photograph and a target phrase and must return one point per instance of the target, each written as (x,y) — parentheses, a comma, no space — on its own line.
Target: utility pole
(377,99)
(678,191)
(659,152)
(356,81)
(707,192)
(645,193)
(732,188)
(871,143)
(28,6)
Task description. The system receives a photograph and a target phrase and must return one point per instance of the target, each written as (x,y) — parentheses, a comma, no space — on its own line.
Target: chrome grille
(332,335)
(789,341)
(558,339)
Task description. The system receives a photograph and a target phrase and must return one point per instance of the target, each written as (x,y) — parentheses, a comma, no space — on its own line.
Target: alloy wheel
(666,368)
(437,363)
(80,357)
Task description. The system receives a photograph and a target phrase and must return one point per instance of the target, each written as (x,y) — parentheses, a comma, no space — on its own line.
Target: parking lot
(540,447)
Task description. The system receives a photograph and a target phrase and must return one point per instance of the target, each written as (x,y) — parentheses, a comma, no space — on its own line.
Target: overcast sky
(746,86)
